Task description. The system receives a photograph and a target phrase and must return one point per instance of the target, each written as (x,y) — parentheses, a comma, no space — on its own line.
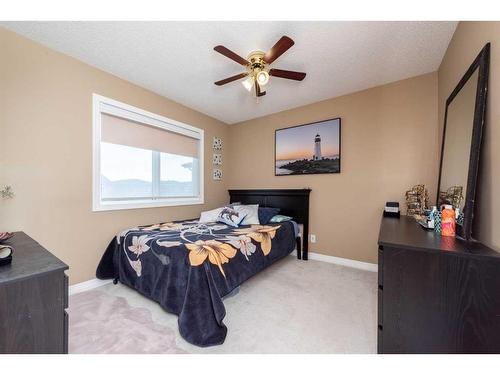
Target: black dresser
(33,300)
(436,294)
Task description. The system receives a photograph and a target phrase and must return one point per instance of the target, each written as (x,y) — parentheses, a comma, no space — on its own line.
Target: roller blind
(126,132)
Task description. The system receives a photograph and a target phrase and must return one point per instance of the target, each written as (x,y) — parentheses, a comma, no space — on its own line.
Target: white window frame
(100,105)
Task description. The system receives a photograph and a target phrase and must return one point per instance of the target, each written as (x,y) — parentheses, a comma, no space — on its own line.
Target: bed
(189,267)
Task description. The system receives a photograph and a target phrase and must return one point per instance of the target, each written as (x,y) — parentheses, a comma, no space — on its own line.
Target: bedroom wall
(389,143)
(46,152)
(467,42)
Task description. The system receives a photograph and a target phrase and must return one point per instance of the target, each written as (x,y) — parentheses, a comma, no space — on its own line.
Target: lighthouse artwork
(317,147)
(308,149)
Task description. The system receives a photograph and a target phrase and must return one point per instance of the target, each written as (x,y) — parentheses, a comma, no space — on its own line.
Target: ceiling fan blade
(230,54)
(231,79)
(257,90)
(287,74)
(278,49)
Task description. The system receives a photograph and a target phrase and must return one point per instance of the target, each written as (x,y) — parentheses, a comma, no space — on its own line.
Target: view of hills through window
(127,172)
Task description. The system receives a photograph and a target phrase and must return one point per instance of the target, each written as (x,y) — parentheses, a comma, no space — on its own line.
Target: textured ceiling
(176,59)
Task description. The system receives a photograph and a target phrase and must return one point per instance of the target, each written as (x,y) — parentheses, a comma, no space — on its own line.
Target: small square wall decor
(217,174)
(217,159)
(217,143)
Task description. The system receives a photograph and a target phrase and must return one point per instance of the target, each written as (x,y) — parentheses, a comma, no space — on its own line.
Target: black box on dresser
(33,300)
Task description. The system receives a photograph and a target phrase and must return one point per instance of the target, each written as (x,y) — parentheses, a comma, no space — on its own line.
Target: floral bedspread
(189,267)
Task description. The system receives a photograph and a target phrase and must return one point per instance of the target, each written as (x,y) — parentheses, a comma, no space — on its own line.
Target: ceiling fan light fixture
(262,77)
(248,83)
(257,63)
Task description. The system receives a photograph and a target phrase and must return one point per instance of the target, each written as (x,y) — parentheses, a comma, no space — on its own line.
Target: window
(144,160)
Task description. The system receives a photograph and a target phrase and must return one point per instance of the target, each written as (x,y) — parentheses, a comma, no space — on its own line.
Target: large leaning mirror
(461,142)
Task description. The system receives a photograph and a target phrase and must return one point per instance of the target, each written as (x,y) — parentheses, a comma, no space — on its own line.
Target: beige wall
(389,143)
(46,152)
(467,42)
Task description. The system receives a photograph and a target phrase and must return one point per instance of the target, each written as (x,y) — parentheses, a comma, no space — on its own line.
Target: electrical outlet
(313,238)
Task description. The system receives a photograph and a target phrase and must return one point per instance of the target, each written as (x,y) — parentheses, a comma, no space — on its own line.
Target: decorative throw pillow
(266,214)
(280,218)
(230,217)
(210,216)
(250,212)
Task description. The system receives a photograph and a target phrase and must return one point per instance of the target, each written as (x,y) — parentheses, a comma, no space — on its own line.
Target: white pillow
(210,216)
(250,213)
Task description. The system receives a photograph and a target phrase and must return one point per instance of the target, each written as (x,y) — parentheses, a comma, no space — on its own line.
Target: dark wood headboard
(291,202)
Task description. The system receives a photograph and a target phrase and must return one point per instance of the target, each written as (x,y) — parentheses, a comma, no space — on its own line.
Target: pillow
(210,216)
(230,217)
(280,218)
(266,214)
(250,212)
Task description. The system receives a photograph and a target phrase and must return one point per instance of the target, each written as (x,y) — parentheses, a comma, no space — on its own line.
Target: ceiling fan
(257,65)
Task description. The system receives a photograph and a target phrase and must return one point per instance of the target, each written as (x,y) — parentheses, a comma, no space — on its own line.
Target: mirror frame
(482,62)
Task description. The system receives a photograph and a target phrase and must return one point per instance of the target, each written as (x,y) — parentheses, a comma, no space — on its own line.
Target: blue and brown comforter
(188,267)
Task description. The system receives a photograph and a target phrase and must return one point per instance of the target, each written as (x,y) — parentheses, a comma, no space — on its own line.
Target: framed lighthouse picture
(308,149)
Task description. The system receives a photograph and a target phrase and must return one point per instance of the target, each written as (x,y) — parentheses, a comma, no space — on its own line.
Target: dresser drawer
(65,291)
(380,339)
(32,316)
(380,306)
(380,265)
(65,332)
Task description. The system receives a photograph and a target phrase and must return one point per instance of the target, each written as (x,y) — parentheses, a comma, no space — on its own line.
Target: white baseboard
(372,267)
(87,285)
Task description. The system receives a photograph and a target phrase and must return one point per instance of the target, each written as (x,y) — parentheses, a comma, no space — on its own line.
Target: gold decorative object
(416,200)
(453,196)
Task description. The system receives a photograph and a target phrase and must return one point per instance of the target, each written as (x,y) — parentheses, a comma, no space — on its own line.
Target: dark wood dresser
(436,294)
(33,300)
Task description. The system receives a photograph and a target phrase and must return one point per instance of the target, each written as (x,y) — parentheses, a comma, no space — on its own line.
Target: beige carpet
(105,324)
(292,307)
